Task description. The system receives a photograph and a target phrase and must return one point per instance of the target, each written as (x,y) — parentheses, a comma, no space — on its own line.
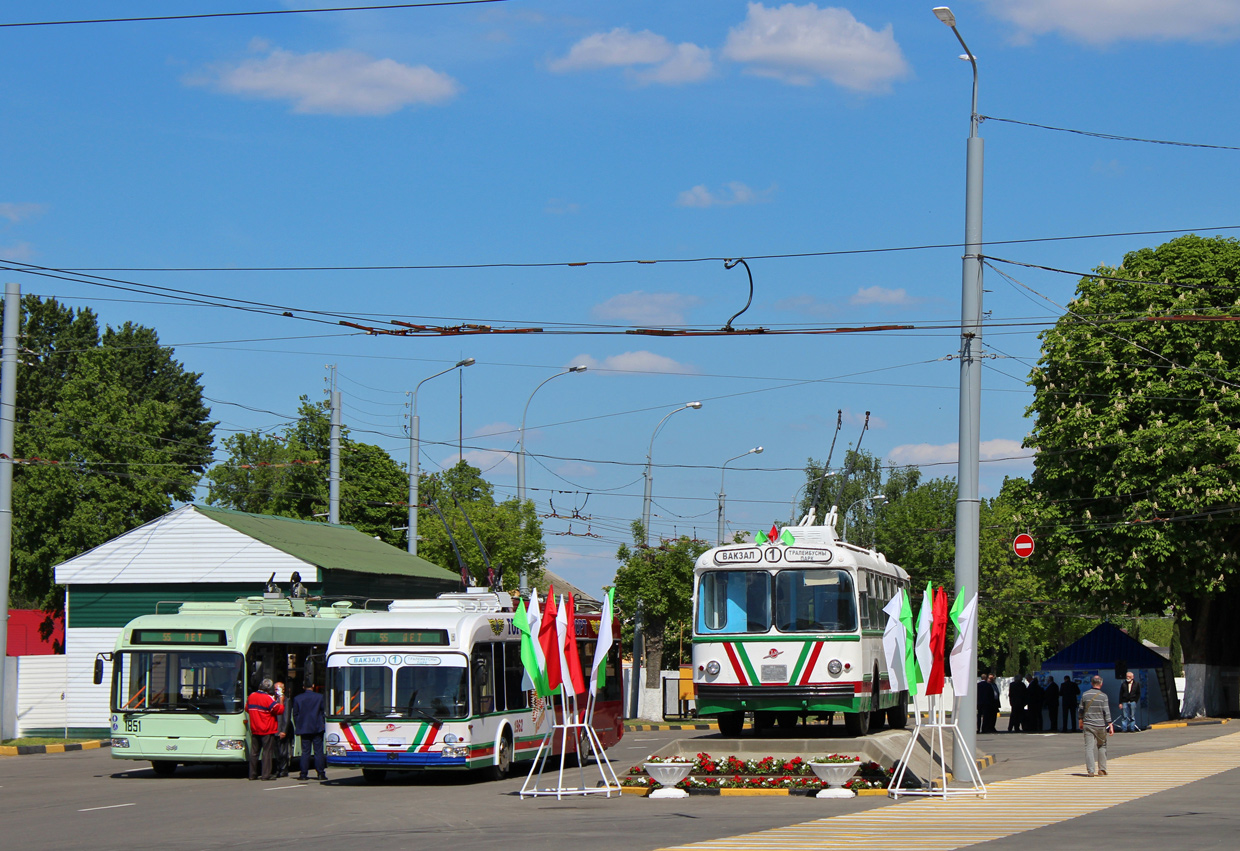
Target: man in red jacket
(262,707)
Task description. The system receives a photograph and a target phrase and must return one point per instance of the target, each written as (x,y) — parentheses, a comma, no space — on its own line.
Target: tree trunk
(654,652)
(1210,634)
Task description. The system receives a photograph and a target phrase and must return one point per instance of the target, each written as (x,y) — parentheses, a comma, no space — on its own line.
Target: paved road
(88,799)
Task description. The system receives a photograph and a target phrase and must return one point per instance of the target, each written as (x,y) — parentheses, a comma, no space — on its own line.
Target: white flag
(598,669)
(925,622)
(534,616)
(965,648)
(562,627)
(894,643)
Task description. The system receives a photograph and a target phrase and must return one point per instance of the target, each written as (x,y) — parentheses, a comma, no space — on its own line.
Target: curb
(646,728)
(1187,722)
(27,750)
(644,792)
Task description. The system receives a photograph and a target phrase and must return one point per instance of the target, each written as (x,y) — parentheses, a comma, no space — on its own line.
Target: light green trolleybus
(180,681)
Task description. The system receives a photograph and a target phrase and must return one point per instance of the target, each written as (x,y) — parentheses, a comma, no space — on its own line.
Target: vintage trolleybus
(439,684)
(791,627)
(180,681)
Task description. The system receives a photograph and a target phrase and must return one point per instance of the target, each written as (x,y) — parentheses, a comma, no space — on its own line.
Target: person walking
(1069,694)
(1016,704)
(1096,724)
(1050,699)
(1129,697)
(262,708)
(308,711)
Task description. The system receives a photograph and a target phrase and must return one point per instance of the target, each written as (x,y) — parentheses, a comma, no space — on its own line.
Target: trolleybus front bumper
(827,697)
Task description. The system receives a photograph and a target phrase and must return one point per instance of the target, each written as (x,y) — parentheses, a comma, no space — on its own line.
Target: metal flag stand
(936,787)
(581,725)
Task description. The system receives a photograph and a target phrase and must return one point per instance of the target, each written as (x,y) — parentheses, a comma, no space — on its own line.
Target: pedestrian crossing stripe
(1012,806)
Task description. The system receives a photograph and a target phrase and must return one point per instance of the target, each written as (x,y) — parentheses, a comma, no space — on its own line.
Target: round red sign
(1023,545)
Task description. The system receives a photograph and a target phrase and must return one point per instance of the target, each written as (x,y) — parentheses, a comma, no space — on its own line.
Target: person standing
(284,736)
(1033,700)
(1069,693)
(984,698)
(1050,699)
(993,718)
(1096,724)
(308,712)
(1016,704)
(262,708)
(1129,696)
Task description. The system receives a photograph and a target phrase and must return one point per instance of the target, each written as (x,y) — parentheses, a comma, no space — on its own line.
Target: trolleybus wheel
(731,724)
(503,756)
(374,775)
(163,767)
(897,716)
(856,723)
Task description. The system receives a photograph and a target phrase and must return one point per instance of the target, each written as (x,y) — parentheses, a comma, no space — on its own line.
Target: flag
(529,660)
(561,631)
(598,669)
(925,620)
(571,654)
(548,640)
(910,642)
(964,651)
(893,642)
(534,615)
(938,637)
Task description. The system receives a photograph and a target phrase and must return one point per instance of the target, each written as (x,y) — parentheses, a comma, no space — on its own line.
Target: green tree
(112,431)
(510,530)
(660,581)
(288,475)
(1137,407)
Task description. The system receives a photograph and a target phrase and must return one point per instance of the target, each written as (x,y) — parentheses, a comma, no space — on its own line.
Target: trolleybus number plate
(774,673)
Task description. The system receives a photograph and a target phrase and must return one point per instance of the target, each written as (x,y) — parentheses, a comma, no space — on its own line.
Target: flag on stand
(925,620)
(938,638)
(561,630)
(569,638)
(533,673)
(964,651)
(893,642)
(910,641)
(548,639)
(534,616)
(598,668)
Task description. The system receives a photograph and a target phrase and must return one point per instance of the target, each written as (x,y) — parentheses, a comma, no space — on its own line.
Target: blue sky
(517,137)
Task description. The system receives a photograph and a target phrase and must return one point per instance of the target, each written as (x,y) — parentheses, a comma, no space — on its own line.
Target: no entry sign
(1023,545)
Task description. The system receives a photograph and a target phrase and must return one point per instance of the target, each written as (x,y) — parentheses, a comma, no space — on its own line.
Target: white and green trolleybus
(180,680)
(790,627)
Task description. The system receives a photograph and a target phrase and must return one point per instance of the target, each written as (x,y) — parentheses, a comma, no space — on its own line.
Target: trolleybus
(439,684)
(180,681)
(791,628)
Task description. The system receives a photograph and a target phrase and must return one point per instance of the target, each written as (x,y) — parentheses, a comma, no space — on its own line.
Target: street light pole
(415,450)
(649,471)
(521,456)
(757,450)
(878,498)
(968,523)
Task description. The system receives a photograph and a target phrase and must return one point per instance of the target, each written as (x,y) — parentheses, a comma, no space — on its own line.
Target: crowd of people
(1039,704)
(272,730)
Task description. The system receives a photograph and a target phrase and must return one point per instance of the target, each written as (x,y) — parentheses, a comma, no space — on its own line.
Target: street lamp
(649,472)
(415,450)
(757,450)
(877,499)
(521,453)
(967,503)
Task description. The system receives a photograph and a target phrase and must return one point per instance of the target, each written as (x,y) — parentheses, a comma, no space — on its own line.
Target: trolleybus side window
(361,690)
(815,601)
(863,593)
(514,677)
(482,674)
(732,601)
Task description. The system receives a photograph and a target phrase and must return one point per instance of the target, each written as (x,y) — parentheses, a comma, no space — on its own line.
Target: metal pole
(333,491)
(723,469)
(415,455)
(967,501)
(8,407)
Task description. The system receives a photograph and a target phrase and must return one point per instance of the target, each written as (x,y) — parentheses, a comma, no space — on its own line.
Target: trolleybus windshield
(178,680)
(440,692)
(360,691)
(733,601)
(815,601)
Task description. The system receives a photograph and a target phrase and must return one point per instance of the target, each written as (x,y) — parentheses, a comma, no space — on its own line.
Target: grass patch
(43,740)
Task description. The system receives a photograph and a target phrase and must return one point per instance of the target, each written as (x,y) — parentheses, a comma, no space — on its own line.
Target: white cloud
(576,469)
(1100,22)
(806,304)
(621,48)
(857,418)
(1107,168)
(643,362)
(561,207)
(17,212)
(998,450)
(799,44)
(342,82)
(21,252)
(644,308)
(489,460)
(882,295)
(734,193)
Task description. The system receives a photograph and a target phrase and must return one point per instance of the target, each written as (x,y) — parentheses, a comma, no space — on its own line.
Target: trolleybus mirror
(98,670)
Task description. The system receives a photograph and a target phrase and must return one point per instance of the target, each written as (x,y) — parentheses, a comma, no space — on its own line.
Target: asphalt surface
(89,799)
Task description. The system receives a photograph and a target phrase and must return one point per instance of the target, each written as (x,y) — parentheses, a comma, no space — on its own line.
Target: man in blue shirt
(308,714)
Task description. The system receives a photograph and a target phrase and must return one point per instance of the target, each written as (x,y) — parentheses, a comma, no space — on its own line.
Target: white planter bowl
(667,775)
(835,775)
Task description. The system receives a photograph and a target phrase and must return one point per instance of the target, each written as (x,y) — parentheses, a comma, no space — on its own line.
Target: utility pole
(8,408)
(333,492)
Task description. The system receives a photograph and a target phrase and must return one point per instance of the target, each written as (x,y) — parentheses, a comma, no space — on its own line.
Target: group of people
(1035,700)
(272,729)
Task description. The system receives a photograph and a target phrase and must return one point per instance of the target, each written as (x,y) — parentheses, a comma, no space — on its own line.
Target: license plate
(388,740)
(774,673)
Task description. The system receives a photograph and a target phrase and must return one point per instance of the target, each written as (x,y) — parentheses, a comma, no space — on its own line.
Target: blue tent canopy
(1102,647)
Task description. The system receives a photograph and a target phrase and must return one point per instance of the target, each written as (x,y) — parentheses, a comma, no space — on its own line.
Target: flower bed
(795,775)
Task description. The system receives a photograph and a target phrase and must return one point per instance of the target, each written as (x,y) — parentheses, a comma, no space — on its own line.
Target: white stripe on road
(109,807)
(282,788)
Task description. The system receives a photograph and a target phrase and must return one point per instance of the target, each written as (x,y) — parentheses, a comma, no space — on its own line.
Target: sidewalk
(26,750)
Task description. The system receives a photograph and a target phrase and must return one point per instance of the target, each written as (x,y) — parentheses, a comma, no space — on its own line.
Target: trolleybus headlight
(456,753)
(450,739)
(120,742)
(333,738)
(335,750)
(230,745)
(712,667)
(835,667)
